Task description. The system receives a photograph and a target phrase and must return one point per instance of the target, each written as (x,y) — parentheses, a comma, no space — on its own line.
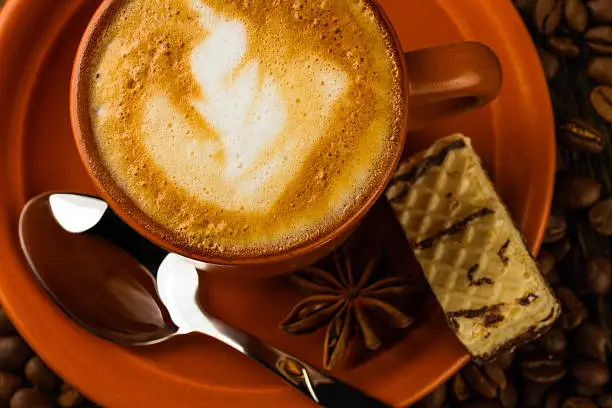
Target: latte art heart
(245,127)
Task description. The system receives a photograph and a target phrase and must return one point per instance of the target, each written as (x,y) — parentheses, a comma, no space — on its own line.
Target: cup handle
(450,79)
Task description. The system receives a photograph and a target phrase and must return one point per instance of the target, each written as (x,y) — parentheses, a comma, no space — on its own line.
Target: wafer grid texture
(483,265)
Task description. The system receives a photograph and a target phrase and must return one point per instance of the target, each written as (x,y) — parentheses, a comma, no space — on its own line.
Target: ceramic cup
(438,83)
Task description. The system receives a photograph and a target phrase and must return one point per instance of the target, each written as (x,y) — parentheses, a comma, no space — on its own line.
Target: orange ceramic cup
(438,83)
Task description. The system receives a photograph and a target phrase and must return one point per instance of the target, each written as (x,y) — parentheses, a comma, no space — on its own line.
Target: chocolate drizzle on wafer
(478,282)
(502,253)
(453,229)
(527,300)
(420,168)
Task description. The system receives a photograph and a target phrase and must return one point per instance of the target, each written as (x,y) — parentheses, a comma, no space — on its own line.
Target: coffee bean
(563,47)
(601,100)
(479,381)
(560,249)
(601,10)
(599,275)
(599,39)
(554,342)
(600,217)
(9,384)
(599,69)
(14,353)
(459,388)
(533,394)
(505,359)
(435,399)
(579,135)
(578,402)
(40,375)
(508,397)
(6,326)
(30,398)
(547,15)
(576,192)
(605,400)
(590,372)
(576,15)
(574,311)
(556,228)
(592,341)
(544,370)
(587,390)
(71,398)
(481,403)
(495,373)
(550,63)
(554,397)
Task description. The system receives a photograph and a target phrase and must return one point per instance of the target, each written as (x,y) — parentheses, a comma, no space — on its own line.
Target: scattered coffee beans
(70,397)
(547,15)
(554,342)
(576,192)
(9,384)
(599,39)
(592,341)
(580,135)
(574,311)
(599,69)
(550,63)
(578,402)
(601,100)
(555,228)
(479,381)
(459,388)
(599,275)
(600,217)
(576,15)
(591,372)
(563,46)
(40,375)
(30,398)
(14,353)
(601,10)
(543,369)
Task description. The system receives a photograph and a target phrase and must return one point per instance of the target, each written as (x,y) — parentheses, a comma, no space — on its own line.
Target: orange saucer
(38,40)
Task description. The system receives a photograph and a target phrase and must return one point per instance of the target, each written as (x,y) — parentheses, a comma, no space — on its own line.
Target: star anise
(347,305)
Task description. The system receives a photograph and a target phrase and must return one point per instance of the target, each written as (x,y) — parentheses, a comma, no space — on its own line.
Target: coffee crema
(245,128)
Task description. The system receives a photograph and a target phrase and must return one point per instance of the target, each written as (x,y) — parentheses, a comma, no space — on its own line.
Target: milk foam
(232,134)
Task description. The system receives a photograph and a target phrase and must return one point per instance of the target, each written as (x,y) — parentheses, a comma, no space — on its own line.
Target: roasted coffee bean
(576,15)
(508,397)
(590,372)
(547,15)
(560,249)
(435,399)
(30,398)
(578,402)
(40,375)
(546,370)
(599,39)
(563,47)
(599,70)
(14,353)
(601,100)
(554,342)
(605,400)
(601,10)
(459,389)
(505,359)
(599,275)
(587,390)
(9,384)
(556,228)
(532,394)
(576,192)
(592,341)
(495,373)
(600,217)
(579,135)
(550,63)
(479,381)
(554,397)
(574,311)
(481,403)
(71,398)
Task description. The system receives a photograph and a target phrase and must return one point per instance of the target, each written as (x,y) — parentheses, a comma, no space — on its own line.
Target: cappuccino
(245,128)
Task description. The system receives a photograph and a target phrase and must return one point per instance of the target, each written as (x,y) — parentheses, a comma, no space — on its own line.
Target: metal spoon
(107,278)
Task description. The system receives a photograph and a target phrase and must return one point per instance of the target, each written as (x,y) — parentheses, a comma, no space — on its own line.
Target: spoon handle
(324,390)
